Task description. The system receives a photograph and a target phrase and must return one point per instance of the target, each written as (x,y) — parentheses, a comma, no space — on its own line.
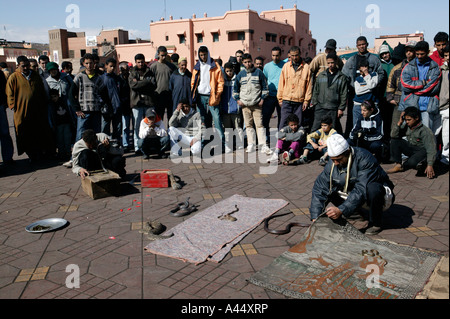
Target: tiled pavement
(103,237)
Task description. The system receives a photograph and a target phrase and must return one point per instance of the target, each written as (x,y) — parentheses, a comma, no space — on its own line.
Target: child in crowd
(153,137)
(368,130)
(365,84)
(62,124)
(317,142)
(231,111)
(250,90)
(289,141)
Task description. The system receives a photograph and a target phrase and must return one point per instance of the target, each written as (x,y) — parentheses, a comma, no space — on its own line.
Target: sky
(342,20)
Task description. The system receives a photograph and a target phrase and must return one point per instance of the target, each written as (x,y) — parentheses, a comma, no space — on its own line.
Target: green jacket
(333,97)
(422,136)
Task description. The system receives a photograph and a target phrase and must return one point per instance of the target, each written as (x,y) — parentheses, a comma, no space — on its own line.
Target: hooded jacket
(363,171)
(216,81)
(414,89)
(372,127)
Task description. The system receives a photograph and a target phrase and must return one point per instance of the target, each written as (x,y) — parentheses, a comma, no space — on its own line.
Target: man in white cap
(385,107)
(351,179)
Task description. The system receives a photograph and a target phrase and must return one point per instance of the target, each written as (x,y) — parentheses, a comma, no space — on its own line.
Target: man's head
(203,54)
(150,114)
(90,138)
(363,66)
(384,53)
(53,69)
(185,106)
(124,69)
(247,61)
(175,57)
(34,65)
(229,69)
(293,122)
(412,116)
(410,50)
(89,63)
(139,60)
(332,59)
(239,56)
(440,42)
(326,124)
(110,65)
(276,55)
(338,150)
(295,54)
(259,63)
(23,64)
(67,67)
(330,46)
(162,54)
(182,65)
(362,44)
(422,49)
(43,60)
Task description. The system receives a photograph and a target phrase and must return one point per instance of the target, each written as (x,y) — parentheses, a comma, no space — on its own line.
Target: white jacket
(146,131)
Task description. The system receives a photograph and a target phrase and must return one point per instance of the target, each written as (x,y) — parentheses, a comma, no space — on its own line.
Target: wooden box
(155,178)
(101,184)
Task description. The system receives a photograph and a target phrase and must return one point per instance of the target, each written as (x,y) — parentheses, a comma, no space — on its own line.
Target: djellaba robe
(28,100)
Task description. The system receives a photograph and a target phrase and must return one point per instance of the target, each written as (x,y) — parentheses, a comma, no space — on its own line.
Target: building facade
(244,30)
(394,40)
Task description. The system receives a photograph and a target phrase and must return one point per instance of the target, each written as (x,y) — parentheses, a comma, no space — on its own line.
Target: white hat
(336,145)
(384,49)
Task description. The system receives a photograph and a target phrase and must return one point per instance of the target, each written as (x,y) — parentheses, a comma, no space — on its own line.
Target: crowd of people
(53,108)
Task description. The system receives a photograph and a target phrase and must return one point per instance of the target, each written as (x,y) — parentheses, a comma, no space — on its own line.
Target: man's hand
(340,114)
(261,103)
(429,171)
(80,114)
(179,107)
(83,173)
(400,122)
(315,146)
(239,102)
(305,105)
(393,102)
(334,212)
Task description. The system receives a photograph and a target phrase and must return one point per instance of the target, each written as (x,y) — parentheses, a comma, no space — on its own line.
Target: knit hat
(51,66)
(384,49)
(411,44)
(337,145)
(399,53)
(331,44)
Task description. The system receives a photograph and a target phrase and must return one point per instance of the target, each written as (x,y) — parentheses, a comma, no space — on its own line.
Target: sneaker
(374,230)
(266,150)
(322,161)
(302,160)
(68,164)
(286,158)
(273,158)
(250,148)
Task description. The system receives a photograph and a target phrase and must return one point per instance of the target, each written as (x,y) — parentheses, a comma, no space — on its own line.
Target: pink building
(394,40)
(244,30)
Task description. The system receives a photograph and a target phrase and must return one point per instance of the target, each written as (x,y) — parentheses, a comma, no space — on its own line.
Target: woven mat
(205,237)
(329,263)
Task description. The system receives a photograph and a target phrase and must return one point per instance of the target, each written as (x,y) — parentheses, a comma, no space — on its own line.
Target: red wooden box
(155,178)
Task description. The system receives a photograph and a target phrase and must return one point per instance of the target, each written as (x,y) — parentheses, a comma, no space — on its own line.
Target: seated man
(420,146)
(153,137)
(351,179)
(185,129)
(94,152)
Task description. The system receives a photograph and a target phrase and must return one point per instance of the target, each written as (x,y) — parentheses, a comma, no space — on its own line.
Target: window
(236,36)
(71,54)
(199,38)
(182,38)
(167,38)
(215,37)
(83,53)
(95,51)
(271,37)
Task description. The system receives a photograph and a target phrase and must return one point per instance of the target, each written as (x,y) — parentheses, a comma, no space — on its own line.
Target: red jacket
(437,58)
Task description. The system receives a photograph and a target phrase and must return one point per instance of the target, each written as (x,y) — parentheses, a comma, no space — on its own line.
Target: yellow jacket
(295,86)
(217,83)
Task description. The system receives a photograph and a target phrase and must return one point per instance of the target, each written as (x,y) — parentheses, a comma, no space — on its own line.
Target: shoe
(302,160)
(286,158)
(266,150)
(273,158)
(68,164)
(250,148)
(322,161)
(396,169)
(374,230)
(421,167)
(145,157)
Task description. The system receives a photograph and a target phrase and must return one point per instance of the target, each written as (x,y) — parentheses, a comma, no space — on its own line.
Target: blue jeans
(5,138)
(127,120)
(356,113)
(138,115)
(92,120)
(210,114)
(116,121)
(63,138)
